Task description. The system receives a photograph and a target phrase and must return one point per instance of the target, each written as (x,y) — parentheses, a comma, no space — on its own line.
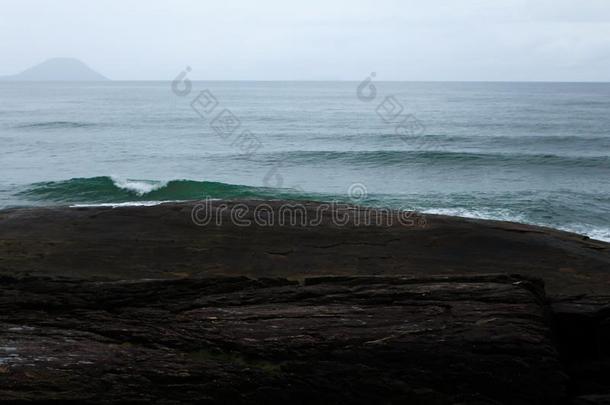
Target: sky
(487,40)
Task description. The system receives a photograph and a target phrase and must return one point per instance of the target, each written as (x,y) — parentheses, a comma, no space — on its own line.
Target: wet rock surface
(140,304)
(163,242)
(481,339)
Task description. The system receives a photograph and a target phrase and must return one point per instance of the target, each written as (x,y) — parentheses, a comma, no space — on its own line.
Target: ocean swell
(57,125)
(104,189)
(383,158)
(554,209)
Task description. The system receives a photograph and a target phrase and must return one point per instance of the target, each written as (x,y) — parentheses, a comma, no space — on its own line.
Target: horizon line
(307,81)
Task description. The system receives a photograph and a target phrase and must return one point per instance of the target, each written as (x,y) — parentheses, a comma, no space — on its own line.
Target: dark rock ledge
(483,339)
(106,305)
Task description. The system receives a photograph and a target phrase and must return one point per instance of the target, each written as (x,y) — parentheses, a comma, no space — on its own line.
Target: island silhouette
(58,69)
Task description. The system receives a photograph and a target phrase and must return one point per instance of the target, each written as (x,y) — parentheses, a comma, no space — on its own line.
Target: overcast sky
(314,39)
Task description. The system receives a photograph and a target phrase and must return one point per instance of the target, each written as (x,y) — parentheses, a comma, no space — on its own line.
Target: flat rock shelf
(329,340)
(138,304)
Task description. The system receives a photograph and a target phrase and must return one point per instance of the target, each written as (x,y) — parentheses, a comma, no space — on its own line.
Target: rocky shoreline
(140,304)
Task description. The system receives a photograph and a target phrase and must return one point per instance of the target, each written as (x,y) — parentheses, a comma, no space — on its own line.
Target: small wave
(439,158)
(113,190)
(57,125)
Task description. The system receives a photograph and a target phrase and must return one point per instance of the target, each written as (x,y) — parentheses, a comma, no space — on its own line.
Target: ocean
(537,153)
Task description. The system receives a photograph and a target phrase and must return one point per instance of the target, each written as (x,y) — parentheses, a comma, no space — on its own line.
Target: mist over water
(529,152)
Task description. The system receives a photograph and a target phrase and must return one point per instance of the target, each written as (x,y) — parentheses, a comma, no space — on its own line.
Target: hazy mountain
(57,69)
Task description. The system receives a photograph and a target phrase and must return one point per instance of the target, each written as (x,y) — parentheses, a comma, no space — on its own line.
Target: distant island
(57,69)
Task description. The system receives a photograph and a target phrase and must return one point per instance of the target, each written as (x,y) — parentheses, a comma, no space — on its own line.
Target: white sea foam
(496,215)
(591,232)
(506,215)
(124,204)
(140,187)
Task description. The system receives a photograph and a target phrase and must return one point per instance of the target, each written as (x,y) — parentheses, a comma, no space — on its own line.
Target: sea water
(537,153)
